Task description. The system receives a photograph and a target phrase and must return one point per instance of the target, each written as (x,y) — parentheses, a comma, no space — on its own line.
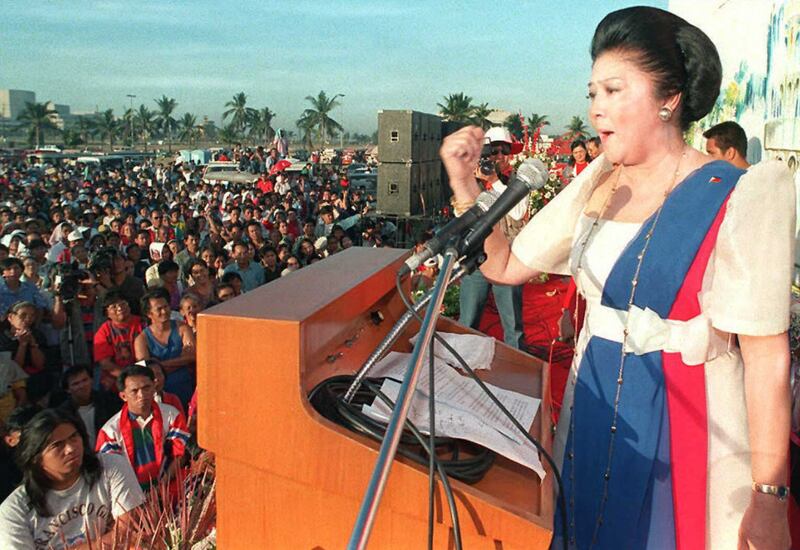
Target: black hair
(728,134)
(20,417)
(191,233)
(113,296)
(679,56)
(134,370)
(155,294)
(224,286)
(195,262)
(9,262)
(29,454)
(73,371)
(165,266)
(595,140)
(575,144)
(231,276)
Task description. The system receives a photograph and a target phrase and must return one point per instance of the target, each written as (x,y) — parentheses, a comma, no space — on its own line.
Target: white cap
(498,133)
(75,236)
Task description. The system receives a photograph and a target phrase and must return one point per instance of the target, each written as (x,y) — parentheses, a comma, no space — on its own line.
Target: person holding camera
(493,172)
(108,267)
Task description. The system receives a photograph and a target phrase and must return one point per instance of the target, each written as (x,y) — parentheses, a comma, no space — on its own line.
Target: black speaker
(409,189)
(408,136)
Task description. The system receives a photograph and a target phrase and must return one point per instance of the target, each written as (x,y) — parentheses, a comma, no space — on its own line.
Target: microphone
(455,227)
(531,175)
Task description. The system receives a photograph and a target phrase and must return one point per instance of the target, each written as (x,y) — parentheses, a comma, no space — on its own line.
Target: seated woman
(170,342)
(24,342)
(69,498)
(202,285)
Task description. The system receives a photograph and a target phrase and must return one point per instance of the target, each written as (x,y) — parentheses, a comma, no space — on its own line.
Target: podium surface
(288,477)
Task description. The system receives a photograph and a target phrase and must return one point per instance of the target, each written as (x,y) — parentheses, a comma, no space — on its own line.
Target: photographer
(75,289)
(108,267)
(493,173)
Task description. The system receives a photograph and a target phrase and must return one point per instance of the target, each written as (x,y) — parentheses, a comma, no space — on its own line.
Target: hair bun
(703,73)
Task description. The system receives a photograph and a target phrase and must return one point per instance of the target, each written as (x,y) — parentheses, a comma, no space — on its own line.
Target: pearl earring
(665,113)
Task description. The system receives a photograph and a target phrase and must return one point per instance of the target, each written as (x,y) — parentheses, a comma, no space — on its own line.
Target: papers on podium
(462,409)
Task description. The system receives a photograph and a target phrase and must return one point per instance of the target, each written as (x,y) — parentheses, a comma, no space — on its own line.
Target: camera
(486,164)
(67,280)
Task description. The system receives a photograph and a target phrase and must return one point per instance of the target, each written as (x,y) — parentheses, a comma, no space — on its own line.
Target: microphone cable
(469,466)
(562,501)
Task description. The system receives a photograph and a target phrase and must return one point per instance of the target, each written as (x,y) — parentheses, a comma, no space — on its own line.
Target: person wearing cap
(73,239)
(475,287)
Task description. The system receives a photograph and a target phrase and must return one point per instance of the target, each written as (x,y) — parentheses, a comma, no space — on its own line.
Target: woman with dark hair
(202,284)
(69,496)
(578,160)
(673,431)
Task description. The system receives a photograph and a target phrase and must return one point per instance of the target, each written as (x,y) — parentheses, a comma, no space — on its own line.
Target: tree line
(243,123)
(460,107)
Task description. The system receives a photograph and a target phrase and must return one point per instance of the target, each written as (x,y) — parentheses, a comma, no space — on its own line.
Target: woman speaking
(673,432)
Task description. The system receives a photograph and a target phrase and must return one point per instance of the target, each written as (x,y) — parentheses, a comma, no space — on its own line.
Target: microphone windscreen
(533,172)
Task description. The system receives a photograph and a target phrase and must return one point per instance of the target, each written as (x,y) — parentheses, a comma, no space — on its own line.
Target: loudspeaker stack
(410,172)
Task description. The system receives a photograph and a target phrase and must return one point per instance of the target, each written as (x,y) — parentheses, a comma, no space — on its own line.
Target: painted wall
(759,44)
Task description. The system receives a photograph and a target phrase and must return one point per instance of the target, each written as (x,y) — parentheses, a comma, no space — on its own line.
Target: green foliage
(577,128)
(316,119)
(457,108)
(37,118)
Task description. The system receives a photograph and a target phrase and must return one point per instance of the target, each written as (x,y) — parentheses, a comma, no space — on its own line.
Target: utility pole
(341,116)
(130,121)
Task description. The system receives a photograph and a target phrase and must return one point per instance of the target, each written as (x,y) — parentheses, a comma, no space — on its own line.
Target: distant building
(12,102)
(63,117)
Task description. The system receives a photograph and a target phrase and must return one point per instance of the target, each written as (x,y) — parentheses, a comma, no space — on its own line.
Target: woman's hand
(460,153)
(765,525)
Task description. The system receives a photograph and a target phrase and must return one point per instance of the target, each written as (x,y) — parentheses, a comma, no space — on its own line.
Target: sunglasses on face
(500,150)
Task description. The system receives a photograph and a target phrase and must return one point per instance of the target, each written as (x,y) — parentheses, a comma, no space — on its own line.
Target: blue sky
(529,56)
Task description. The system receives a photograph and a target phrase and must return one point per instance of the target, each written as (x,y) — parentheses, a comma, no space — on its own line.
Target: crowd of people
(104,272)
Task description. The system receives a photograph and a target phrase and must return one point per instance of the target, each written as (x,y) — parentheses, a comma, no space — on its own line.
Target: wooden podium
(289,478)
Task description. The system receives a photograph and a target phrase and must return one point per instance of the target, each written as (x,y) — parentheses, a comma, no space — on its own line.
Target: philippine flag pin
(714,179)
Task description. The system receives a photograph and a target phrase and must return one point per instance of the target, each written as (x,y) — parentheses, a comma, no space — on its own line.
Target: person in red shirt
(266,183)
(580,159)
(113,341)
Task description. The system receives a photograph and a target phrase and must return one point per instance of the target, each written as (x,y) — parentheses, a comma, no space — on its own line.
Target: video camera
(68,279)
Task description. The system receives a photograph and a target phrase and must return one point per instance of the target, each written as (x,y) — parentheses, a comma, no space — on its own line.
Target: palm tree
(239,112)
(537,121)
(306,127)
(188,128)
(85,128)
(145,124)
(456,107)
(317,116)
(164,119)
(577,128)
(107,127)
(128,117)
(480,116)
(38,118)
(261,124)
(514,125)
(72,138)
(228,134)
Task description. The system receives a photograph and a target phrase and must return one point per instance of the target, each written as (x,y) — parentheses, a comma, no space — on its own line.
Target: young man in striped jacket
(153,436)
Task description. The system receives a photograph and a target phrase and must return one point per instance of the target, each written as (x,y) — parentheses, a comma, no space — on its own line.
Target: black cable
(562,501)
(327,398)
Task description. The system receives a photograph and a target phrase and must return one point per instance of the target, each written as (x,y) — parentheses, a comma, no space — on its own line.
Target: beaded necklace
(623,354)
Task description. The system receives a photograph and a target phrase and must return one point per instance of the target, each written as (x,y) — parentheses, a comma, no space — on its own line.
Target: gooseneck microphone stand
(380,474)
